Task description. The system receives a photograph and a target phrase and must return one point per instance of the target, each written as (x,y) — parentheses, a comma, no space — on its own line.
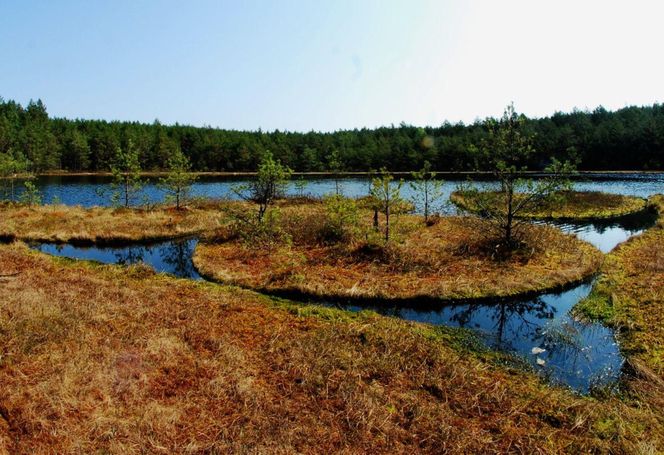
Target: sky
(324,65)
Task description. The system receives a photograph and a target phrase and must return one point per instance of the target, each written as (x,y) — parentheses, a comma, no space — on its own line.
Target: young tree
(507,151)
(342,218)
(177,183)
(126,170)
(386,195)
(31,195)
(300,185)
(270,183)
(428,190)
(336,166)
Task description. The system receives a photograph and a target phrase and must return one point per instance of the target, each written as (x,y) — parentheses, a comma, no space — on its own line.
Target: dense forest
(631,138)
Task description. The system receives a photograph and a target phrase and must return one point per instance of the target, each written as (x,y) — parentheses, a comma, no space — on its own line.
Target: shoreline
(343,174)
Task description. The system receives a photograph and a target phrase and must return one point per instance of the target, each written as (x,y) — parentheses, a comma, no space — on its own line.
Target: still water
(172,257)
(540,330)
(89,191)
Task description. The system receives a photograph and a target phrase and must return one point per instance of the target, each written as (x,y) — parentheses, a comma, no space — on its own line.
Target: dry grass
(571,205)
(61,223)
(450,259)
(102,359)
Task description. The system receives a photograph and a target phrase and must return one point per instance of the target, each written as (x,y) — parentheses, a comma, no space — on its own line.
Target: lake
(89,191)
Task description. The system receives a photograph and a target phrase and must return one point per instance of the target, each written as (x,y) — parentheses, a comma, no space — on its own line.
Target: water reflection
(538,329)
(173,257)
(606,234)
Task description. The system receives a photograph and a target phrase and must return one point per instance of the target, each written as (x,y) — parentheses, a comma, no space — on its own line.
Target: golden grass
(573,205)
(448,260)
(103,359)
(61,223)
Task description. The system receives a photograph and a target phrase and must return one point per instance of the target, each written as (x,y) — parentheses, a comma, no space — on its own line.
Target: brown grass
(61,223)
(450,259)
(571,205)
(102,359)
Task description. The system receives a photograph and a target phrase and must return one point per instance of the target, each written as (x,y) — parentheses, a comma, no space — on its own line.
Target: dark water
(538,329)
(173,257)
(93,190)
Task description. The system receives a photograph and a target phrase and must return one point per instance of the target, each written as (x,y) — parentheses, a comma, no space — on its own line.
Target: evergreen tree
(177,183)
(126,170)
(11,168)
(270,183)
(387,195)
(76,151)
(507,150)
(427,189)
(31,194)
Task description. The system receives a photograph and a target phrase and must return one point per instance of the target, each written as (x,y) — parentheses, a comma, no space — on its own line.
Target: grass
(630,296)
(105,359)
(569,205)
(75,224)
(449,259)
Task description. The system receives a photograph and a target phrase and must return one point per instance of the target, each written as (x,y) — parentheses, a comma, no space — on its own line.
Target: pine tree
(177,183)
(387,195)
(126,170)
(428,190)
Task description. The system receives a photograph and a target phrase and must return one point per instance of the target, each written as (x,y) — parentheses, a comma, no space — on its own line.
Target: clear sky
(328,64)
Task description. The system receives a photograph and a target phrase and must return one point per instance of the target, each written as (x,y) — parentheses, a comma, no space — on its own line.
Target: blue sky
(328,64)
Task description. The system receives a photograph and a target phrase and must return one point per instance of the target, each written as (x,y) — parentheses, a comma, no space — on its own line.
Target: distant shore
(441,174)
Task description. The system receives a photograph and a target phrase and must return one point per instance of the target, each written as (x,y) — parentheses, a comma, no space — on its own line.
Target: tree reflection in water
(517,320)
(569,352)
(177,256)
(131,255)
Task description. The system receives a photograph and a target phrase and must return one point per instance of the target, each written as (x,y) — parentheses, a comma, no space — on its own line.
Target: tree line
(631,138)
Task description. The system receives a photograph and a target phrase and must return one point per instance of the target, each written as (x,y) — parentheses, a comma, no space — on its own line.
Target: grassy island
(99,225)
(564,206)
(449,258)
(105,359)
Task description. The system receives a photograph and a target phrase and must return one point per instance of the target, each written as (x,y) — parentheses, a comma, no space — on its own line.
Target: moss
(596,306)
